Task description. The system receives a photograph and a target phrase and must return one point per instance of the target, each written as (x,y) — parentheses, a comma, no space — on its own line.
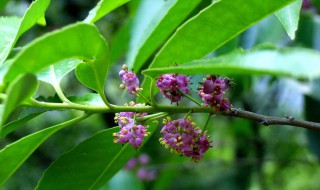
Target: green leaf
(98,155)
(88,99)
(13,155)
(3,3)
(12,28)
(26,115)
(211,28)
(154,22)
(289,17)
(78,41)
(20,90)
(301,63)
(57,71)
(102,8)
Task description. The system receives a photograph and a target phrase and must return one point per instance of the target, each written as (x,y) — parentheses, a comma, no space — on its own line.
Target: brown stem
(267,120)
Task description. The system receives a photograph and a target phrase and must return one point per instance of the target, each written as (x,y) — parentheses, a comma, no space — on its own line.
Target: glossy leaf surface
(17,27)
(289,17)
(301,63)
(98,155)
(20,150)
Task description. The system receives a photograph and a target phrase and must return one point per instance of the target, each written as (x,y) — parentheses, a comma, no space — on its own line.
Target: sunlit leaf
(301,63)
(12,28)
(98,155)
(211,28)
(13,155)
(77,41)
(154,22)
(289,17)
(102,8)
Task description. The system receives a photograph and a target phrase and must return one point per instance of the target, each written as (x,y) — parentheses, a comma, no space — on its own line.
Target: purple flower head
(134,134)
(183,137)
(130,132)
(170,84)
(212,92)
(129,80)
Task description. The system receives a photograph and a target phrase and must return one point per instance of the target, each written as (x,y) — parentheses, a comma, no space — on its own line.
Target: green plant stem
(152,117)
(233,112)
(143,97)
(206,124)
(190,98)
(153,101)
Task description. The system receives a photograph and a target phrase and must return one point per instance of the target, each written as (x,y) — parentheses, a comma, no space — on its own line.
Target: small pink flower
(129,80)
(212,92)
(183,137)
(170,84)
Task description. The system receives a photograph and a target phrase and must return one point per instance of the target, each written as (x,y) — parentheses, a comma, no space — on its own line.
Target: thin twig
(268,120)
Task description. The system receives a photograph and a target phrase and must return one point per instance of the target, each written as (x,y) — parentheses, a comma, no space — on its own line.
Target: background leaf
(202,34)
(3,3)
(20,90)
(79,41)
(25,116)
(16,28)
(301,63)
(102,8)
(153,23)
(13,155)
(289,17)
(98,155)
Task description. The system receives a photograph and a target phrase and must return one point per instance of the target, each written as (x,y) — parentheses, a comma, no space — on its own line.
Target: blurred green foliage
(245,155)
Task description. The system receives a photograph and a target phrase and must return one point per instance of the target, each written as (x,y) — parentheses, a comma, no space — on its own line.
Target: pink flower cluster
(129,80)
(170,84)
(212,92)
(183,137)
(130,132)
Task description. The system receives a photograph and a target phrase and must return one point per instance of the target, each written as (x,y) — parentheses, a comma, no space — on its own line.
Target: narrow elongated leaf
(26,115)
(98,155)
(102,8)
(210,29)
(213,27)
(11,30)
(13,155)
(289,17)
(20,90)
(147,37)
(301,63)
(77,41)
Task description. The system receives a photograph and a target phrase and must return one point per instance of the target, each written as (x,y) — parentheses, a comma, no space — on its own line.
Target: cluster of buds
(143,172)
(212,92)
(170,86)
(130,131)
(130,80)
(183,137)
